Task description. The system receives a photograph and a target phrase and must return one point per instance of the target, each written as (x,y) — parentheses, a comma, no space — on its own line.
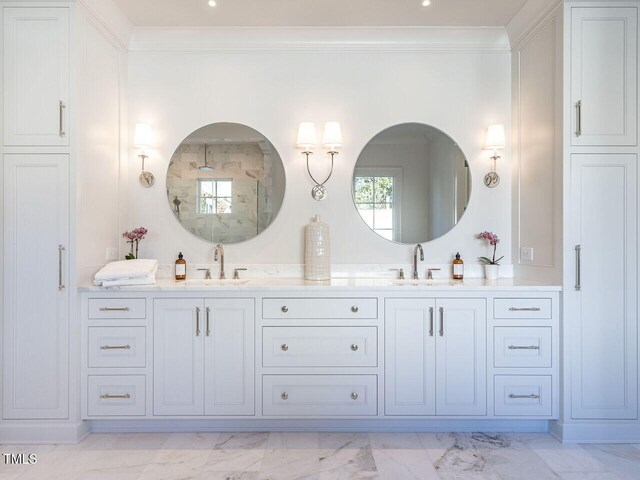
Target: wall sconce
(143,139)
(307,140)
(495,141)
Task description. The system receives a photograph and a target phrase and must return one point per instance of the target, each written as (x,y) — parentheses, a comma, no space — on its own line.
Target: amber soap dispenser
(458,268)
(181,268)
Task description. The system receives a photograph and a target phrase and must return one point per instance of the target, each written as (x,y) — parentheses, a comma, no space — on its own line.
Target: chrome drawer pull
(354,347)
(284,309)
(354,309)
(533,395)
(107,395)
(354,396)
(284,347)
(114,309)
(521,347)
(284,396)
(578,118)
(115,347)
(60,281)
(524,309)
(441,321)
(208,314)
(578,286)
(197,321)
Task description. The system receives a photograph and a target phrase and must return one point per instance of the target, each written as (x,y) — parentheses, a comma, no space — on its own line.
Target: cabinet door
(36,76)
(601,309)
(178,357)
(604,76)
(461,351)
(229,357)
(410,357)
(36,295)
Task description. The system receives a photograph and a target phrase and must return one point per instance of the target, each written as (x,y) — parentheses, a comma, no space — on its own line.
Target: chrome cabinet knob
(354,396)
(354,347)
(284,396)
(284,347)
(284,309)
(354,309)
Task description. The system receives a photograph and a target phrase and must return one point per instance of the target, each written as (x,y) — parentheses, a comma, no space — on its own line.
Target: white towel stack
(127,272)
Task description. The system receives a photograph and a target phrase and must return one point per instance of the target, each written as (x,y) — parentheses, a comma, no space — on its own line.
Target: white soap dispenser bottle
(317,264)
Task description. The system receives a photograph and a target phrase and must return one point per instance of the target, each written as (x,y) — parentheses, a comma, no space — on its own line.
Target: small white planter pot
(491,272)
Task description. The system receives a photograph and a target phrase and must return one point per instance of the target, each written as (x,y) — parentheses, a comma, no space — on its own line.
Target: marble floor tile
(234,460)
(589,476)
(402,441)
(623,460)
(293,440)
(347,464)
(339,440)
(227,476)
(172,464)
(569,458)
(402,464)
(242,440)
(140,441)
(437,440)
(525,471)
(191,441)
(301,464)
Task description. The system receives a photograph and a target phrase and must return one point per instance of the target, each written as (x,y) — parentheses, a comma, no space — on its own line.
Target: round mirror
(411,183)
(225,183)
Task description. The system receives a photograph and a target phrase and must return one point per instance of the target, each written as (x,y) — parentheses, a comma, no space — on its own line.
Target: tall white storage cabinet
(36,296)
(36,214)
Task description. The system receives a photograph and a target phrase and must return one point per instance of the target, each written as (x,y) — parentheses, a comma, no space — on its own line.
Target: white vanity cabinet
(604,51)
(36,75)
(435,357)
(203,360)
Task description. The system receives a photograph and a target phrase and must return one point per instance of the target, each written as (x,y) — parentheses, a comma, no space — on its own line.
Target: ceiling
(312,13)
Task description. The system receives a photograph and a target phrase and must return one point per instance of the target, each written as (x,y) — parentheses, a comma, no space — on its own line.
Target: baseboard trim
(596,432)
(150,426)
(31,432)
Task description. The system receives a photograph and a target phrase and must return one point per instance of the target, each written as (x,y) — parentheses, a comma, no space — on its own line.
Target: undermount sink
(424,282)
(203,282)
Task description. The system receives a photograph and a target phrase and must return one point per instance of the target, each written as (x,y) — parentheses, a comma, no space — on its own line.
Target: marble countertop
(337,284)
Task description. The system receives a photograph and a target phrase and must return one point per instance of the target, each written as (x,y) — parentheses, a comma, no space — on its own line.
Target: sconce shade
(332,135)
(143,137)
(307,136)
(495,137)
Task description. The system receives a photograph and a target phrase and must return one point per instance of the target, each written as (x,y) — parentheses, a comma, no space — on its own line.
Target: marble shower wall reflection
(232,202)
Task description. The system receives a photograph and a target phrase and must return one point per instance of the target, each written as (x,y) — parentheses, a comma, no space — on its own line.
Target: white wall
(181,81)
(537,151)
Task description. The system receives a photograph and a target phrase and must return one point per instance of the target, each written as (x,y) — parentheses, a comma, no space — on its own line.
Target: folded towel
(148,280)
(127,269)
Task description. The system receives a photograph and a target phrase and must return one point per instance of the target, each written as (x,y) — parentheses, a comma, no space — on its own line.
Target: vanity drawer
(530,308)
(320,308)
(522,347)
(523,395)
(319,395)
(115,308)
(116,347)
(319,346)
(116,395)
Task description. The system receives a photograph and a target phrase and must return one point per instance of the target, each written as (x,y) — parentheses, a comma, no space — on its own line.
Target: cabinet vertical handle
(442,321)
(431,321)
(578,267)
(60,281)
(197,321)
(61,107)
(578,118)
(208,314)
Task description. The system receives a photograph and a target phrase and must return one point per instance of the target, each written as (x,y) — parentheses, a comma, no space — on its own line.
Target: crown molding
(108,18)
(532,13)
(320,39)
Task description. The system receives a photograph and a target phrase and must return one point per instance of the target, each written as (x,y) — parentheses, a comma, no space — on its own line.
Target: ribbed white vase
(317,252)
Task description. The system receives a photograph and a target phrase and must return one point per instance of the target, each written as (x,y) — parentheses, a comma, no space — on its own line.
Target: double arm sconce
(495,141)
(143,139)
(307,141)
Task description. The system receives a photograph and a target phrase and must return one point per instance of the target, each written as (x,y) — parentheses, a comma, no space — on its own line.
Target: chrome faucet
(220,253)
(415,260)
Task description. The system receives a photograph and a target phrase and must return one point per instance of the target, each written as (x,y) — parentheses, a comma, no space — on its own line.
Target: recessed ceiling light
(212,3)
(426,3)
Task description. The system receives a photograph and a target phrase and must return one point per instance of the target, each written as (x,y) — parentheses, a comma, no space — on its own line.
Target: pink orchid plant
(133,237)
(493,240)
